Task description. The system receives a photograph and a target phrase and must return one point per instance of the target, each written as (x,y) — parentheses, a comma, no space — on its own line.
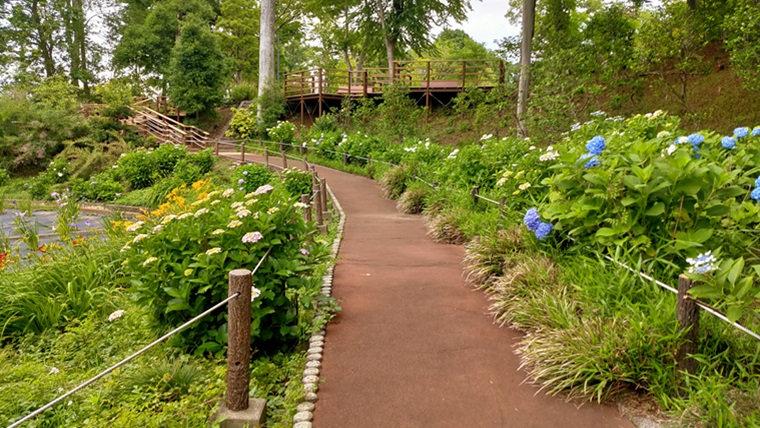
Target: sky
(486,22)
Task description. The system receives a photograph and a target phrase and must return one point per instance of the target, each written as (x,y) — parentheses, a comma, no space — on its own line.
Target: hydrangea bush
(178,258)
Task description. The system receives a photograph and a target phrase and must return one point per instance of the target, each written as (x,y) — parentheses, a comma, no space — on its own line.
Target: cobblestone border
(305,410)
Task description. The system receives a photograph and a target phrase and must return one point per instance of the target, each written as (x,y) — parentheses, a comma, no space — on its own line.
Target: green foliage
(297,182)
(64,286)
(243,92)
(253,176)
(197,69)
(5,177)
(118,94)
(57,172)
(271,103)
(100,188)
(243,123)
(283,132)
(180,256)
(398,115)
(743,42)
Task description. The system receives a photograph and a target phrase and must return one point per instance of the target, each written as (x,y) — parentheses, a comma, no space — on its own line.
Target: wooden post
(261,142)
(323,191)
(427,94)
(300,150)
(319,101)
(345,158)
(239,340)
(369,159)
(284,159)
(307,210)
(687,313)
(474,193)
(266,156)
(216,148)
(317,205)
(364,90)
(305,164)
(242,152)
(501,72)
(464,74)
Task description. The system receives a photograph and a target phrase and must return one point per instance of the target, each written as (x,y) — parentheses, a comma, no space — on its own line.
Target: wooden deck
(432,80)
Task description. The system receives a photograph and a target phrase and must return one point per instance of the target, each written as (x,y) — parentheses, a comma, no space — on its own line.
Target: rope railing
(126,360)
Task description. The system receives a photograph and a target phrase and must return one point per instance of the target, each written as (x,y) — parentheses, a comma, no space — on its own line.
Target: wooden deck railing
(419,76)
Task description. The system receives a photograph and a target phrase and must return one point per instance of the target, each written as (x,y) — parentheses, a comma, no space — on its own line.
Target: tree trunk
(80,35)
(526,48)
(266,49)
(390,48)
(45,43)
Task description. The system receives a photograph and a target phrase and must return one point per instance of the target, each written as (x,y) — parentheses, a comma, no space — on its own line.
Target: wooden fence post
(687,313)
(317,206)
(266,156)
(323,199)
(239,340)
(474,193)
(242,152)
(502,204)
(305,164)
(284,159)
(307,209)
(216,148)
(345,158)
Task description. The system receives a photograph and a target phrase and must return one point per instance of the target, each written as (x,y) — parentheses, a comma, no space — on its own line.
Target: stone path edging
(305,410)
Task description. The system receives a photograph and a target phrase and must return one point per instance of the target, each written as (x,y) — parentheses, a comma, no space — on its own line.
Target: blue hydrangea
(706,268)
(596,145)
(532,219)
(543,230)
(728,142)
(695,139)
(741,132)
(592,162)
(755,194)
(757,182)
(756,132)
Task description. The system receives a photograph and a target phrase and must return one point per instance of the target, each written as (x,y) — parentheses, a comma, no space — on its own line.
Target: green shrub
(325,123)
(99,188)
(138,169)
(179,259)
(243,123)
(252,176)
(5,177)
(297,182)
(243,92)
(283,132)
(166,157)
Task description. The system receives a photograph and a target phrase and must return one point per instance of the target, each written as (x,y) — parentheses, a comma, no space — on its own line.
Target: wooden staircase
(166,129)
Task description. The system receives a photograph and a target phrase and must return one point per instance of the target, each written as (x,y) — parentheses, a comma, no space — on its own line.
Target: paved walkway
(413,345)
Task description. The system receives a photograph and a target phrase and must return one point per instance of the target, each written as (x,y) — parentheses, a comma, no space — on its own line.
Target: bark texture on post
(526,50)
(266,156)
(284,159)
(323,193)
(307,209)
(239,340)
(687,313)
(318,205)
(345,158)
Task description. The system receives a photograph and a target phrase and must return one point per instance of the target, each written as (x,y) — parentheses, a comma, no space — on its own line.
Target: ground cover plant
(636,189)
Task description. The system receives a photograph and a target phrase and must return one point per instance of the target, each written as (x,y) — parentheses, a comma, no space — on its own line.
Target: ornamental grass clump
(412,201)
(444,227)
(179,256)
(488,256)
(395,180)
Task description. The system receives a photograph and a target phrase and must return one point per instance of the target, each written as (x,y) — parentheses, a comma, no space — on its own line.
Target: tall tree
(197,71)
(526,49)
(407,23)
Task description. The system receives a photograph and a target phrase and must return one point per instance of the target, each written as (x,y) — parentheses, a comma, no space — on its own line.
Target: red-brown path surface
(413,345)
